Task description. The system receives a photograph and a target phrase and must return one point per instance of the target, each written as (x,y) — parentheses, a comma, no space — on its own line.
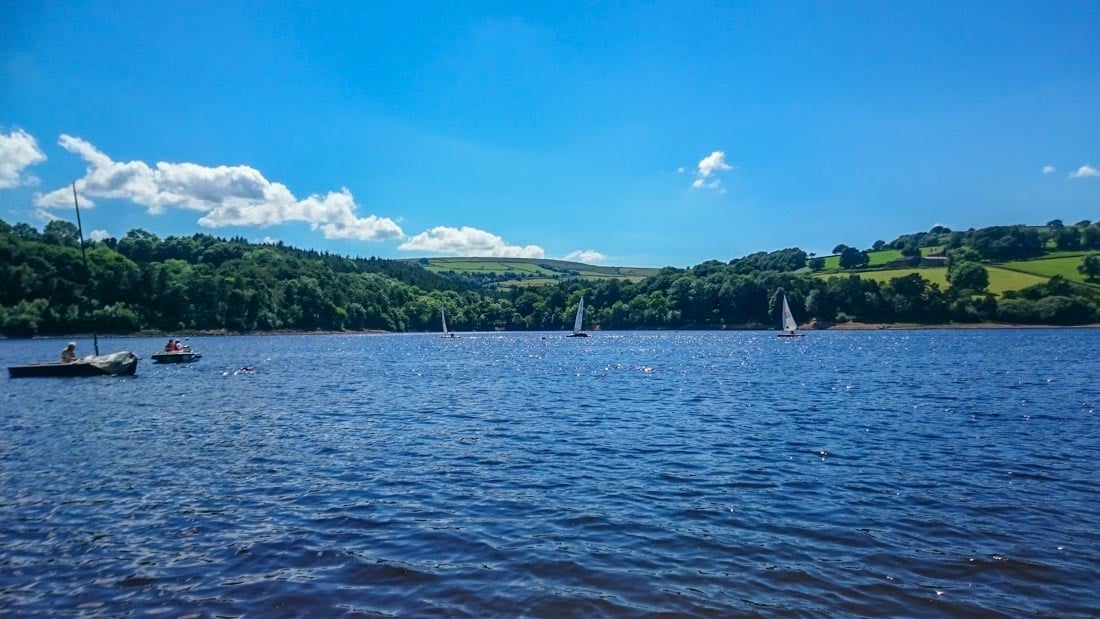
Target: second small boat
(175,353)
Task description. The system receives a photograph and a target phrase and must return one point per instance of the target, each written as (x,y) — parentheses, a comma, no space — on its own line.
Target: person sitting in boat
(170,346)
(68,354)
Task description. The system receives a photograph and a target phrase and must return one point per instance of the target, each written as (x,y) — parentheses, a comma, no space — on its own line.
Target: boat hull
(77,369)
(176,357)
(577,335)
(792,335)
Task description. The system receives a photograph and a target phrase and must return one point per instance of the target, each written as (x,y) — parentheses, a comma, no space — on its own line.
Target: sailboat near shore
(122,363)
(790,327)
(443,317)
(577,331)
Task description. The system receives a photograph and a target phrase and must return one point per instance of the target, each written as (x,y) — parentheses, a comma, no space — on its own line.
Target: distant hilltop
(523,272)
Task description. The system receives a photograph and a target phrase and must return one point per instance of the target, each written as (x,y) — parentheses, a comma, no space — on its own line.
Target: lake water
(915,473)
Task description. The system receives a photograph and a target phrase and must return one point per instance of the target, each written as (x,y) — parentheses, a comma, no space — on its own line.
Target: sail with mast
(790,327)
(443,317)
(122,363)
(577,323)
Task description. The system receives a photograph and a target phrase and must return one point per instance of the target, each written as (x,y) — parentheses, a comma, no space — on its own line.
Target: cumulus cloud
(708,169)
(589,256)
(1084,171)
(226,195)
(18,151)
(467,241)
(99,235)
(1048,169)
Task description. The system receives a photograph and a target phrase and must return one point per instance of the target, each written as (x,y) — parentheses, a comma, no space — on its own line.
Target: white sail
(580,317)
(789,325)
(443,316)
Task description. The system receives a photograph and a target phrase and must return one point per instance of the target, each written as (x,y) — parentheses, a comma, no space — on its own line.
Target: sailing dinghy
(790,327)
(443,316)
(577,332)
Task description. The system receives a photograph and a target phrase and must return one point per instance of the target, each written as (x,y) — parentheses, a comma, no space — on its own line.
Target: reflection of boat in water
(179,356)
(122,363)
(577,332)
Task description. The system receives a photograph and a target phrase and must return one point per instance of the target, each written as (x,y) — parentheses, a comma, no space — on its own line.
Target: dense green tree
(1059,310)
(1090,237)
(61,232)
(969,276)
(852,257)
(1016,310)
(1067,238)
(910,250)
(1090,266)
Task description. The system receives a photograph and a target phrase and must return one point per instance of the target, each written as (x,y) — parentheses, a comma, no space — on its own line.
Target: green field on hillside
(1000,280)
(529,271)
(878,258)
(936,275)
(1063,263)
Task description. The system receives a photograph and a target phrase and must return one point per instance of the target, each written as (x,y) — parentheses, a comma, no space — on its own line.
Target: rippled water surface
(920,473)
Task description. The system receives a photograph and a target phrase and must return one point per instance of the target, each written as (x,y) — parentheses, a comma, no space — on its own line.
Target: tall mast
(87,271)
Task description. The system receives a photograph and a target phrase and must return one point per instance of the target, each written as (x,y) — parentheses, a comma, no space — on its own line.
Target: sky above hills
(642,134)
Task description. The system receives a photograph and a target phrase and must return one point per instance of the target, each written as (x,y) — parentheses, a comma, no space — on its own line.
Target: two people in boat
(68,354)
(175,346)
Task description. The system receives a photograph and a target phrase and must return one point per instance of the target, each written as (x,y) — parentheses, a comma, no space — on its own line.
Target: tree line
(200,282)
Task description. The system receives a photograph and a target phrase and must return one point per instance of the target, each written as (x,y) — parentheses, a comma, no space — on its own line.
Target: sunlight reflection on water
(693,473)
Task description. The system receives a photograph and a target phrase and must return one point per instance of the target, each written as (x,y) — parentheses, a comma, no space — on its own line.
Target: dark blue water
(921,473)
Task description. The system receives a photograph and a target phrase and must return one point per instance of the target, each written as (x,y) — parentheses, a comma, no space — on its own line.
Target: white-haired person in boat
(68,354)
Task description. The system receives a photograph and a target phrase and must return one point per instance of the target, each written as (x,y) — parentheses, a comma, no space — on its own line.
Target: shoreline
(844,326)
(872,326)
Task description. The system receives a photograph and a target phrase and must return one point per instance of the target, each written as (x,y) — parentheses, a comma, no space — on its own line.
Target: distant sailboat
(790,327)
(577,332)
(443,316)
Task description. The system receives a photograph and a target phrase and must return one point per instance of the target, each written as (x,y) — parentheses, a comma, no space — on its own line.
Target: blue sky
(641,134)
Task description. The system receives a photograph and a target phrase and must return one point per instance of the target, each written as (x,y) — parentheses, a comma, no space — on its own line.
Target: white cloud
(680,170)
(267,240)
(18,151)
(1048,169)
(44,215)
(714,162)
(226,195)
(588,256)
(709,167)
(1084,172)
(467,241)
(99,235)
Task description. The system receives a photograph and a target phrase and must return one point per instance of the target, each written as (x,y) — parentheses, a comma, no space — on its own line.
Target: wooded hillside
(201,282)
